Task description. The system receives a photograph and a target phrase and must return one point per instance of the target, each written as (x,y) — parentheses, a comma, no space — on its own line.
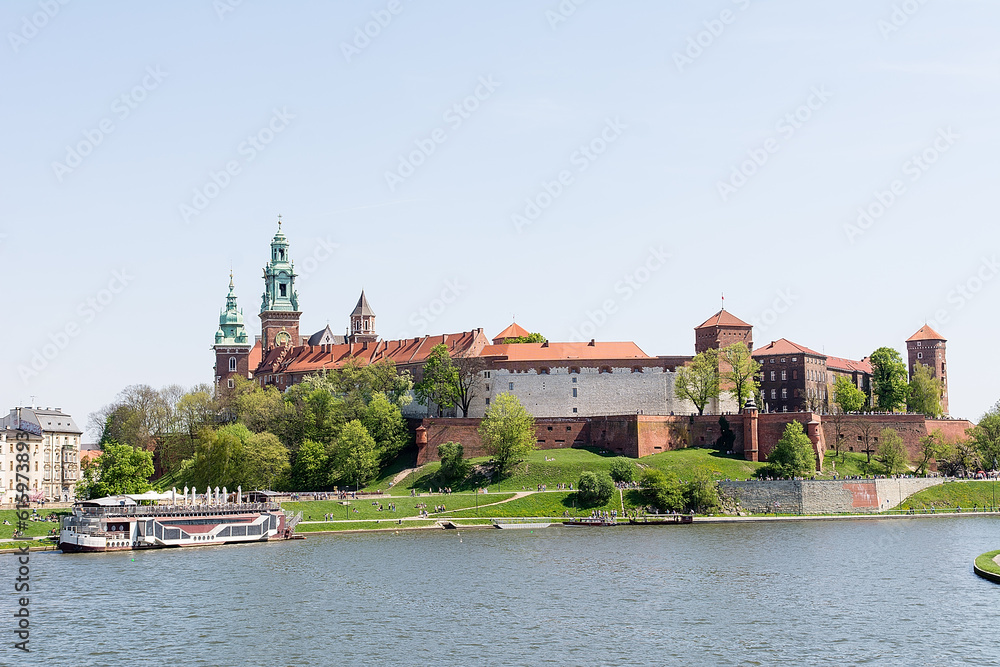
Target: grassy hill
(954,494)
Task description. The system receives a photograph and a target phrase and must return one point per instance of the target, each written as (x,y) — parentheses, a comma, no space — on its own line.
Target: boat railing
(176,510)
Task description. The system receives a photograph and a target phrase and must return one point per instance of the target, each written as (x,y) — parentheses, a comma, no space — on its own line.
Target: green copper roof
(279,278)
(231,330)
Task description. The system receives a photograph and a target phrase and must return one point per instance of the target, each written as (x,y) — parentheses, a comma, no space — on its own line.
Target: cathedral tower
(232,346)
(927,347)
(279,309)
(363,322)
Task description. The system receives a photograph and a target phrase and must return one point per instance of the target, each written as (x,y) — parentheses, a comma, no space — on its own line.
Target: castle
(553,380)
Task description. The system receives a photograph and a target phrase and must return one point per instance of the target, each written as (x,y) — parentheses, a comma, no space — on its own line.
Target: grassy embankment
(954,494)
(986,563)
(847,464)
(33,528)
(547,467)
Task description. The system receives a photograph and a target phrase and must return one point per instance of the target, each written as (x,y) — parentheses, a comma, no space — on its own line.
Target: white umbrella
(225,495)
(239,493)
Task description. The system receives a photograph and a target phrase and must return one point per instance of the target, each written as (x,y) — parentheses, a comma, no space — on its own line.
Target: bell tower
(279,309)
(232,346)
(927,347)
(363,322)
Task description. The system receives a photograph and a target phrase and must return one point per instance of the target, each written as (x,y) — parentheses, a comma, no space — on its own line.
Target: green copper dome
(279,278)
(231,330)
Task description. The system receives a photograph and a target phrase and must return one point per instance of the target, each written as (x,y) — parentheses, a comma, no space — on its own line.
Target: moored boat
(118,523)
(592,522)
(660,519)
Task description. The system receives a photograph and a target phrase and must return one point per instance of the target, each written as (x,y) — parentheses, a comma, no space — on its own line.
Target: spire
(279,277)
(362,309)
(231,329)
(362,321)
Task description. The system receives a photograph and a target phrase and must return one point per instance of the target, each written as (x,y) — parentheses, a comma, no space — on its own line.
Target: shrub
(622,469)
(595,489)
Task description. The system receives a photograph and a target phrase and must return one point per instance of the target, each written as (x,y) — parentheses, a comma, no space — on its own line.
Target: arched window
(232,364)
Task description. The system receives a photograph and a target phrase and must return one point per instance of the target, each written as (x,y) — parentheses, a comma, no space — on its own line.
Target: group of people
(544,487)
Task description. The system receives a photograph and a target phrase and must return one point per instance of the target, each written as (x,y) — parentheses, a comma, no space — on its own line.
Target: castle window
(772,360)
(574,380)
(231,383)
(637,369)
(510,386)
(574,369)
(487,401)
(784,375)
(281,253)
(774,394)
(543,371)
(281,288)
(574,411)
(604,369)
(574,392)
(794,359)
(782,360)
(784,393)
(486,374)
(920,355)
(773,376)
(232,364)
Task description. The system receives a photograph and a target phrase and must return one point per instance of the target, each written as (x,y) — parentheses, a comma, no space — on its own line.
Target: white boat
(117,523)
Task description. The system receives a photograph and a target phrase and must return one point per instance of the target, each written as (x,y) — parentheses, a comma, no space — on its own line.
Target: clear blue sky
(832,100)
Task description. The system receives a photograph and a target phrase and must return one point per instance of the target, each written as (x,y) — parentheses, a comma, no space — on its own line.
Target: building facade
(54,439)
(927,347)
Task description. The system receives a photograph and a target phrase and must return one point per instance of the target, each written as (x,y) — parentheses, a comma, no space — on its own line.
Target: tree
(453,466)
(311,469)
(594,489)
(701,494)
(219,457)
(792,455)
(698,380)
(889,380)
(364,381)
(931,447)
(924,392)
(847,396)
(355,459)
(866,431)
(662,490)
(959,459)
(468,381)
(839,423)
(742,373)
(892,452)
(530,338)
(439,384)
(985,437)
(507,432)
(727,438)
(266,464)
(622,469)
(384,422)
(120,469)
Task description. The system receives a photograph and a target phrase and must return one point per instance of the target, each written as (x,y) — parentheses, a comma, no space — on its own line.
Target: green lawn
(34,528)
(359,525)
(565,466)
(986,563)
(847,464)
(954,494)
(405,506)
(550,504)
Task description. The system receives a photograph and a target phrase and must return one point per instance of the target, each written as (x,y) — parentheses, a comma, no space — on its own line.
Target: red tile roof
(513,331)
(254,358)
(564,351)
(784,346)
(313,358)
(926,333)
(849,365)
(89,455)
(722,318)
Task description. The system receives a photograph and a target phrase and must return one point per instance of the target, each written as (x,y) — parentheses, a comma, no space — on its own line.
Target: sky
(593,169)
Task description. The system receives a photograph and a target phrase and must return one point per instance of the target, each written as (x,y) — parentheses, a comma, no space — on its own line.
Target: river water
(898,592)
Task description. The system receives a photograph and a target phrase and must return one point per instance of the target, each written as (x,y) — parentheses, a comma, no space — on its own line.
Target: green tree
(847,396)
(468,380)
(594,489)
(257,408)
(701,494)
(662,490)
(454,467)
(931,447)
(530,338)
(384,422)
(792,456)
(889,384)
(924,392)
(507,432)
(120,469)
(360,381)
(439,384)
(266,463)
(355,459)
(742,373)
(311,470)
(622,469)
(698,380)
(220,457)
(985,437)
(891,452)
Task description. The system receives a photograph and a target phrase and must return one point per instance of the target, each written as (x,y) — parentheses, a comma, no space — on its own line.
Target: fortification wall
(824,497)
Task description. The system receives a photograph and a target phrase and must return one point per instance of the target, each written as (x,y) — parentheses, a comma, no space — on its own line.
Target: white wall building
(54,441)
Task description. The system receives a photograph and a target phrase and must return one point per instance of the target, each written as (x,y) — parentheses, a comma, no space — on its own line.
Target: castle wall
(824,497)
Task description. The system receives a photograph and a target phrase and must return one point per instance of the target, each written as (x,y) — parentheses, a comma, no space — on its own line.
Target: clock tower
(279,309)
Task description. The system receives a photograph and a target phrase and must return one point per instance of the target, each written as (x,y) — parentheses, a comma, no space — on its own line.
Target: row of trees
(700,380)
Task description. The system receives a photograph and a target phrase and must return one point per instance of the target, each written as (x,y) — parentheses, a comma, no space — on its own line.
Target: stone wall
(824,497)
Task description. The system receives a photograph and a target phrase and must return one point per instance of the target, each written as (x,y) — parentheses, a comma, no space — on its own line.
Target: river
(898,592)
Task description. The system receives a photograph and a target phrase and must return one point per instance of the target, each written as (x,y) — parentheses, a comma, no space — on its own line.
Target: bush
(595,489)
(454,467)
(662,490)
(622,469)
